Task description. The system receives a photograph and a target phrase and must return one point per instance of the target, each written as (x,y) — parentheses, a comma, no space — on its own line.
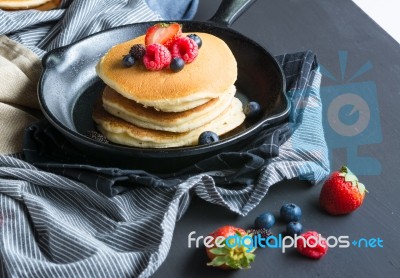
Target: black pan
(69,86)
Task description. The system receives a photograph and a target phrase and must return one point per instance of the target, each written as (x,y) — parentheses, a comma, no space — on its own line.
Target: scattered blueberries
(252,109)
(294,228)
(196,39)
(265,220)
(208,137)
(176,64)
(290,212)
(128,60)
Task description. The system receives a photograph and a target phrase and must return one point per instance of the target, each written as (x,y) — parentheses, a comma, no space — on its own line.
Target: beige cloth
(20,70)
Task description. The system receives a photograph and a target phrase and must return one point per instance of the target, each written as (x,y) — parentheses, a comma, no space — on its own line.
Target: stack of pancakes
(161,109)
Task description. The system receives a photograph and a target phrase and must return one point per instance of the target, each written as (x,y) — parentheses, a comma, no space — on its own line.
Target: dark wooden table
(331,29)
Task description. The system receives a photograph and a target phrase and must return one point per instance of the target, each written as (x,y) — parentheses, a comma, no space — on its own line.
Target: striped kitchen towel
(42,31)
(120,223)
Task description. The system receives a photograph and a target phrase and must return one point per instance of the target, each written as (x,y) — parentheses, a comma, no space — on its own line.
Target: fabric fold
(42,31)
(19,107)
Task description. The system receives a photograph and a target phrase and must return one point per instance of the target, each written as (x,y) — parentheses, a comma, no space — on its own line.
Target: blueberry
(196,39)
(128,60)
(265,220)
(290,212)
(208,137)
(252,109)
(176,64)
(294,228)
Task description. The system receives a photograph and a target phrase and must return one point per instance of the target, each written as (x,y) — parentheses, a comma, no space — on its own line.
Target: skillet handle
(230,10)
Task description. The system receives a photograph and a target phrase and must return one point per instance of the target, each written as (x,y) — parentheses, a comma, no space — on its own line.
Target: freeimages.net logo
(351,115)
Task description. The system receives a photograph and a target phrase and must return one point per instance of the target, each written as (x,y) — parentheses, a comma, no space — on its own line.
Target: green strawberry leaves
(218,261)
(237,257)
(350,177)
(220,251)
(361,188)
(234,261)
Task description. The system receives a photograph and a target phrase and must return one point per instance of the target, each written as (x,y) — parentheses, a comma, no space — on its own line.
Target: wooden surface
(330,29)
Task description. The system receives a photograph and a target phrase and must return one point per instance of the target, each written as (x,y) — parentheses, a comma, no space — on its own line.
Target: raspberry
(185,48)
(157,57)
(138,51)
(312,244)
(196,38)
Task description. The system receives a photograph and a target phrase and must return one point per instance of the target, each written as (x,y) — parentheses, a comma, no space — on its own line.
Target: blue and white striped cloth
(74,20)
(120,223)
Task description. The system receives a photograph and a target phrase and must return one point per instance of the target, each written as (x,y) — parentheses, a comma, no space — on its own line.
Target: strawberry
(312,245)
(341,192)
(163,33)
(234,255)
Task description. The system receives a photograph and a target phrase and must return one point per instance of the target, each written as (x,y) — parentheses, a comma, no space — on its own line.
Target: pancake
(21,4)
(49,5)
(121,132)
(209,76)
(137,114)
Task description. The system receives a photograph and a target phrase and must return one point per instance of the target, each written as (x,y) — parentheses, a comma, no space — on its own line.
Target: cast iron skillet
(69,86)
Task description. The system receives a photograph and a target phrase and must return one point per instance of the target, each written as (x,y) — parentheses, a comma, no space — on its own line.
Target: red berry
(185,48)
(163,33)
(342,193)
(157,57)
(230,257)
(312,245)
